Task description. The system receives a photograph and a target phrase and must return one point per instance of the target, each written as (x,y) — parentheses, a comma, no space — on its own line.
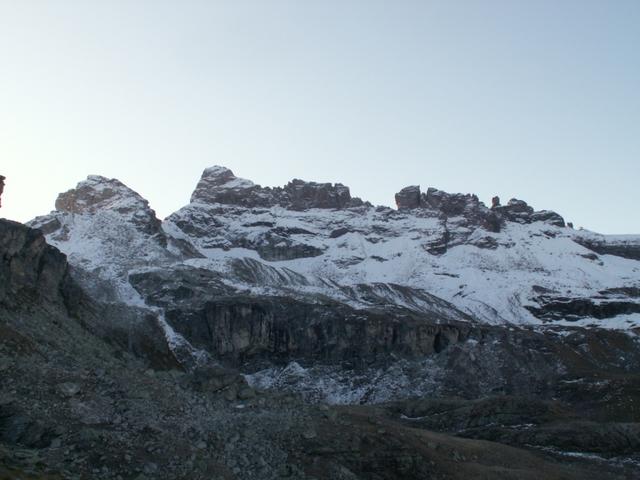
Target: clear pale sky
(538,100)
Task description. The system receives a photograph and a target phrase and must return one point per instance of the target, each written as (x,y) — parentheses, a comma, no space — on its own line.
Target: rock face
(449,245)
(475,212)
(29,267)
(33,273)
(620,246)
(220,185)
(98,193)
(408,198)
(519,212)
(241,328)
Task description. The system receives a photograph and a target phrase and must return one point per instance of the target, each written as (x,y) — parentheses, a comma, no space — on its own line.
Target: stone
(32,268)
(471,210)
(219,185)
(304,195)
(408,198)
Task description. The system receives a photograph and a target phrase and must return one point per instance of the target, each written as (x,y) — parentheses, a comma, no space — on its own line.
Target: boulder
(408,198)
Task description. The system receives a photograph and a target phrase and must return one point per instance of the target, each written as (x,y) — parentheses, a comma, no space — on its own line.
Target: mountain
(362,329)
(503,264)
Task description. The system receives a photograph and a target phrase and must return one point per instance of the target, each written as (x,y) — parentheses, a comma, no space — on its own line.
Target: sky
(534,100)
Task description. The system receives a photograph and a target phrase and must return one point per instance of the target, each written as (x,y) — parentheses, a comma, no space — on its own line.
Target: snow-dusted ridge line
(490,274)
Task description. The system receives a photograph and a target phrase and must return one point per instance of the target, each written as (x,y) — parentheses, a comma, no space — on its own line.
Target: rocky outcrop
(618,246)
(571,309)
(35,276)
(473,210)
(519,211)
(220,185)
(469,211)
(408,198)
(99,194)
(238,327)
(304,195)
(29,267)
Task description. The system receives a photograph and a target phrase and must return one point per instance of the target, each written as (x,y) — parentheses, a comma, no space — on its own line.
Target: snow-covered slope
(504,264)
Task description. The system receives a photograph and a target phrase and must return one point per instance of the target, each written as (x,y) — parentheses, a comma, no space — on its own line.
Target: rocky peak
(219,185)
(408,197)
(472,209)
(98,194)
(218,175)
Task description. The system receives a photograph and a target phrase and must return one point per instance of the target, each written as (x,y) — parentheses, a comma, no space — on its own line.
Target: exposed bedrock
(35,281)
(30,268)
(620,248)
(98,193)
(220,185)
(562,308)
(238,326)
(468,359)
(550,305)
(241,328)
(473,210)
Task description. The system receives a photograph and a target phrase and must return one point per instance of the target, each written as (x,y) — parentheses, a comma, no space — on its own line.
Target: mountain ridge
(317,331)
(435,241)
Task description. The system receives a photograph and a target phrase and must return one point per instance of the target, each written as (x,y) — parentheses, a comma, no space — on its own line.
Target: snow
(491,284)
(331,384)
(383,248)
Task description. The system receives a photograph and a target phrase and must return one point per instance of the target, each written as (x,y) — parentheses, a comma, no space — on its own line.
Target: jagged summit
(470,207)
(219,185)
(98,193)
(449,245)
